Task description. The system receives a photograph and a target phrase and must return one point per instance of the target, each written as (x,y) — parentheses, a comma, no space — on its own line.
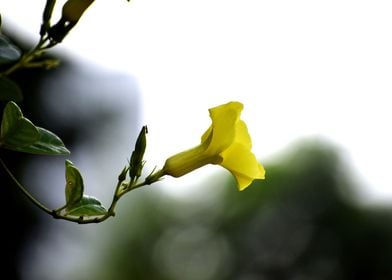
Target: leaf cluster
(19,134)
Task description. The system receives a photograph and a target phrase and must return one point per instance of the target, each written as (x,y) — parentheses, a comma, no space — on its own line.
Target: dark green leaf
(47,144)
(87,206)
(21,135)
(16,130)
(74,186)
(9,91)
(8,52)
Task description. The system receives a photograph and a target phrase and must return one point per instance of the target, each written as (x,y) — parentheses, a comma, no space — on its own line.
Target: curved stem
(152,178)
(29,56)
(24,191)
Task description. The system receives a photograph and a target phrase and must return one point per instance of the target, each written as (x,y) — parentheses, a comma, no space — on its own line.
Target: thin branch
(56,213)
(29,56)
(24,191)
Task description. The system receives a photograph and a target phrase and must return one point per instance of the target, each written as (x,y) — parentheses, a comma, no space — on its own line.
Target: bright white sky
(300,67)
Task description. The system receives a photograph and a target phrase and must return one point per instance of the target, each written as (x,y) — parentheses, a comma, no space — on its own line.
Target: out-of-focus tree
(298,225)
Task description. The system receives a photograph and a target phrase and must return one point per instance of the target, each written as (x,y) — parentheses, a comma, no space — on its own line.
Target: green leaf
(78,204)
(9,91)
(74,186)
(17,131)
(47,144)
(21,135)
(8,52)
(87,206)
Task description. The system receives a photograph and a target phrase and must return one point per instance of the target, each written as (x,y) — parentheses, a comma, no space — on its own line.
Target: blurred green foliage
(294,225)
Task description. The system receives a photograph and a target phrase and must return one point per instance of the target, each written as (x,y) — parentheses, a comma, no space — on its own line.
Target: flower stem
(121,189)
(26,59)
(24,191)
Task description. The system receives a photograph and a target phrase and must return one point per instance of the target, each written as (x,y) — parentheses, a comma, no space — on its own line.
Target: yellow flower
(227,143)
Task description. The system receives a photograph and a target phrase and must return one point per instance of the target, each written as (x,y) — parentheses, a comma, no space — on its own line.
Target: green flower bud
(136,163)
(123,175)
(71,13)
(74,9)
(227,143)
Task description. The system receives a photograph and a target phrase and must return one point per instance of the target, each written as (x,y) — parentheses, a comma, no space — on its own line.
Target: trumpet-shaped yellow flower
(227,143)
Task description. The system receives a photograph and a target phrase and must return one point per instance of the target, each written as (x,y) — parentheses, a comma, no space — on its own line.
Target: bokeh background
(314,78)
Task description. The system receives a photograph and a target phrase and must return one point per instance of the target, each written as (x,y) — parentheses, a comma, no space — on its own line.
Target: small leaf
(87,206)
(9,91)
(8,52)
(16,131)
(47,144)
(74,186)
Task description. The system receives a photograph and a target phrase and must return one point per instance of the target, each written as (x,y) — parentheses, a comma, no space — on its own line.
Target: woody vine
(226,142)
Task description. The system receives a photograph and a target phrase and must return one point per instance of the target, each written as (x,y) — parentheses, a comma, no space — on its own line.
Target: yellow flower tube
(227,143)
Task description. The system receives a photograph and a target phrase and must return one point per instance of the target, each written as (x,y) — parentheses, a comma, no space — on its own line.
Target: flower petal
(242,181)
(239,160)
(242,135)
(224,120)
(206,137)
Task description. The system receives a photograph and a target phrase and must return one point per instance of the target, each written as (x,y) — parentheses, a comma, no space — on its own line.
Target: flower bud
(74,9)
(136,163)
(71,13)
